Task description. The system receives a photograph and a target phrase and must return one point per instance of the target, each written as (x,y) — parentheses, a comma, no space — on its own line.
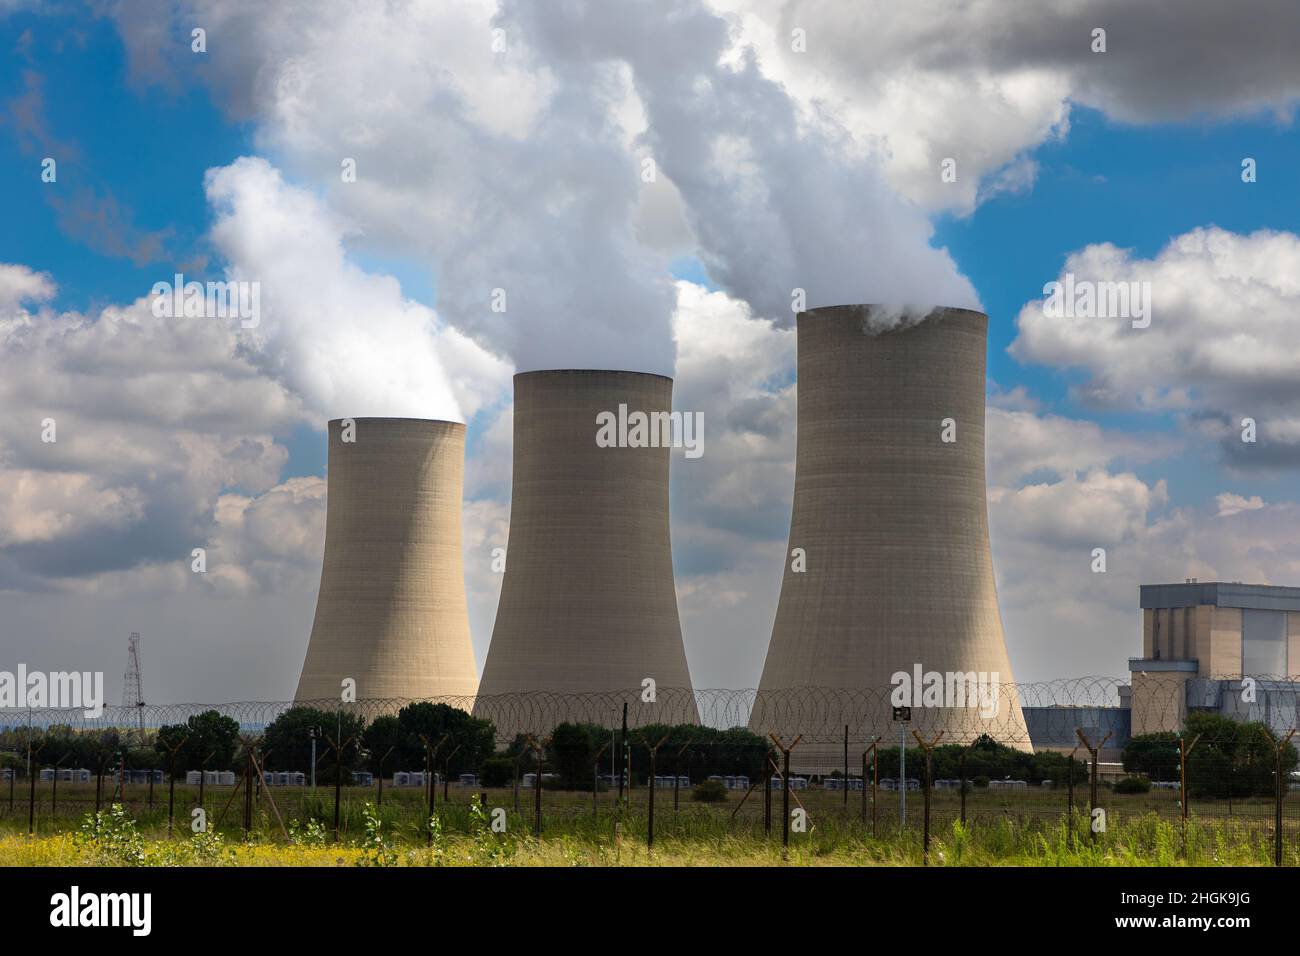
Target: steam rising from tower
(391,614)
(588,602)
(892,521)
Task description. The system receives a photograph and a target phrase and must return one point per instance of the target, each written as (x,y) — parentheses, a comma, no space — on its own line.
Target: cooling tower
(588,609)
(893,526)
(391,612)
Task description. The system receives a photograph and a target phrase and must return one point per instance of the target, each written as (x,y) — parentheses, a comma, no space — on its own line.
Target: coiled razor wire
(819,714)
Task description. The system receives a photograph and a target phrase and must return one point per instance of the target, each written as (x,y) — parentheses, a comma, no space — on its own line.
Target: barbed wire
(1018,715)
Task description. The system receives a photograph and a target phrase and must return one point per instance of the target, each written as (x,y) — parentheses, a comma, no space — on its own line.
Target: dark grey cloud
(1165,60)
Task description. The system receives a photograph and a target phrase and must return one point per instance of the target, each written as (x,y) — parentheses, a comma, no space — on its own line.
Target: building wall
(1204,630)
(1293,645)
(1159,701)
(1225,642)
(893,520)
(391,613)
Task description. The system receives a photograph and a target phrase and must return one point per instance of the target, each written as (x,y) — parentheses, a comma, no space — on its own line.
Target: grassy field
(1011,829)
(560,806)
(1144,841)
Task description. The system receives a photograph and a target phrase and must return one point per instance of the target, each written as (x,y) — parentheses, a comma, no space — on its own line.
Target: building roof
(1264,597)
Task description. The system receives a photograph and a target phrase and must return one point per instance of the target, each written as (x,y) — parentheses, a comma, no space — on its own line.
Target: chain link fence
(844,760)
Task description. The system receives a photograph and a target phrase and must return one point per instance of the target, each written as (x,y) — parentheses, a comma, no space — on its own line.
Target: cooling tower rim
(825,311)
(396,418)
(558,372)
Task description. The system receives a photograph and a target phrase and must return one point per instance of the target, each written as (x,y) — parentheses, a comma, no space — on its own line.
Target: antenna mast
(132,688)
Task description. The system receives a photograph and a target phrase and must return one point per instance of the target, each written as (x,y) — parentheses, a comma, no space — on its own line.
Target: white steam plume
(775,203)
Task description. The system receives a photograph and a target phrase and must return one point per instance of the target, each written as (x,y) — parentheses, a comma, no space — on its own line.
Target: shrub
(709,791)
(110,837)
(376,850)
(981,781)
(1133,785)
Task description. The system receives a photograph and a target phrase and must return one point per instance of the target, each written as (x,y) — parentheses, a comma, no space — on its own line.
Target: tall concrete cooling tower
(588,605)
(391,612)
(893,526)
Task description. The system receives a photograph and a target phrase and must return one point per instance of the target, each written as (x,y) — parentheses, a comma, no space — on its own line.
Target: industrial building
(391,615)
(588,602)
(1200,639)
(1199,643)
(888,562)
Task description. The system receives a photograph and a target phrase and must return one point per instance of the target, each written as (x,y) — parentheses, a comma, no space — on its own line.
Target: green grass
(1021,831)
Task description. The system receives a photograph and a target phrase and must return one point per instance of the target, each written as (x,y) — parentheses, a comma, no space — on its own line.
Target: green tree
(469,740)
(287,741)
(382,740)
(1232,759)
(1155,755)
(208,741)
(572,753)
(708,752)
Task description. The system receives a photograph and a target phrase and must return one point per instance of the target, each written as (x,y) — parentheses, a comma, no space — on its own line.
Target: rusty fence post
(539,748)
(650,806)
(927,747)
(33,771)
(785,788)
(1069,799)
(961,774)
(1093,751)
(846,767)
(1280,787)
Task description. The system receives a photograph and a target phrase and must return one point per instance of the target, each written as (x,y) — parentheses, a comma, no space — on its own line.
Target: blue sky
(1104,181)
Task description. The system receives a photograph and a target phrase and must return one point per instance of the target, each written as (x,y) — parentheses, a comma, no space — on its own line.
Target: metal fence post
(962,780)
(767,795)
(32,772)
(537,797)
(650,803)
(864,788)
(927,748)
(1069,799)
(785,803)
(622,747)
(785,787)
(1092,793)
(846,766)
(875,784)
(1280,785)
(171,795)
(248,795)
